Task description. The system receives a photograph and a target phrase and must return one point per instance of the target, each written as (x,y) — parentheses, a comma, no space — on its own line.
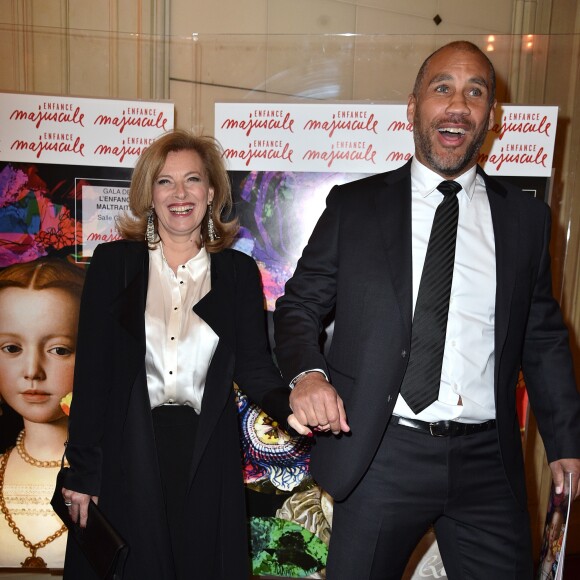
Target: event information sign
(369,138)
(96,142)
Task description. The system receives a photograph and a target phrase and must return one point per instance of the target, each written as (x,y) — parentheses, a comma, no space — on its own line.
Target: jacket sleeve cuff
(84,474)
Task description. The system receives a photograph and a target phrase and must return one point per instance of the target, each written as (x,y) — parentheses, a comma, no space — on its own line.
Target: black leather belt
(444,428)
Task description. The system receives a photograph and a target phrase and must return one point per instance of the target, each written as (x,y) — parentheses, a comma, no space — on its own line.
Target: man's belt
(444,428)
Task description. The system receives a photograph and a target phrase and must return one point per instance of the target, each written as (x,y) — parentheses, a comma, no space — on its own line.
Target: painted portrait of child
(39,303)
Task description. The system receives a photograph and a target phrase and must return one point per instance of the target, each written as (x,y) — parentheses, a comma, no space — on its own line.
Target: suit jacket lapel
(212,306)
(506,228)
(394,214)
(129,310)
(129,306)
(216,309)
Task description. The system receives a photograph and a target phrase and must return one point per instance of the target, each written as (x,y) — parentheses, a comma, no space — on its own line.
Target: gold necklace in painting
(28,458)
(33,561)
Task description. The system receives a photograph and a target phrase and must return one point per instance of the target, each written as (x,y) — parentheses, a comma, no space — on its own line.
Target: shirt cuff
(298,377)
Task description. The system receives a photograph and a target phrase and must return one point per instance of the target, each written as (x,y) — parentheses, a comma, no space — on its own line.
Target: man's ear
(411,106)
(491,121)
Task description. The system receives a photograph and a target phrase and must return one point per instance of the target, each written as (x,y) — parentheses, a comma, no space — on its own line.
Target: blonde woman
(170,319)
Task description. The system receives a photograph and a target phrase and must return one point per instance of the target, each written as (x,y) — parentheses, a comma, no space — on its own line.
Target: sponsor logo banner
(369,138)
(79,131)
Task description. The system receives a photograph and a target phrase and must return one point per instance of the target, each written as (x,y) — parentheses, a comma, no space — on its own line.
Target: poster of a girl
(39,303)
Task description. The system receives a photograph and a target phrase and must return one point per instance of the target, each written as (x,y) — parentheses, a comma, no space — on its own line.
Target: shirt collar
(425,181)
(194,265)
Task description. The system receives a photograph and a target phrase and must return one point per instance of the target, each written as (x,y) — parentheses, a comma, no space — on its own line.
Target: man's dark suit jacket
(111,445)
(358,263)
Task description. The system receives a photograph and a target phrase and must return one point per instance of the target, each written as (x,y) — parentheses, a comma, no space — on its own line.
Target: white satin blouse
(180,345)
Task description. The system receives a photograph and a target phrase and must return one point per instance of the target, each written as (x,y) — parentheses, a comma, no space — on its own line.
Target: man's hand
(316,403)
(562,467)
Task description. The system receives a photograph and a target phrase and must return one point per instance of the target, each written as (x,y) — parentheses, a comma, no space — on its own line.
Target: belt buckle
(434,432)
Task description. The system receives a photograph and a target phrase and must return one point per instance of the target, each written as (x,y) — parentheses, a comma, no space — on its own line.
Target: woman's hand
(78,505)
(298,427)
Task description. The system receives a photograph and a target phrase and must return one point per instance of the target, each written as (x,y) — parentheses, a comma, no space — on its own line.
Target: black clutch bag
(103,547)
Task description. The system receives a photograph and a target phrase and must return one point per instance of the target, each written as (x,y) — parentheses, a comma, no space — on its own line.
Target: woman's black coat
(111,446)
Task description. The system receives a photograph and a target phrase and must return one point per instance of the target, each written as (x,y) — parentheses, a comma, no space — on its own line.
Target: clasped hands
(316,406)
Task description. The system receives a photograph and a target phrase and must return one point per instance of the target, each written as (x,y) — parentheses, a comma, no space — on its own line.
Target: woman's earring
(211,233)
(150,232)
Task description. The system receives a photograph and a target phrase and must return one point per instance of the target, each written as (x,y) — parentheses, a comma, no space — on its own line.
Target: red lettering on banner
(248,155)
(268,113)
(397,126)
(523,116)
(522,147)
(537,158)
(346,155)
(38,117)
(50,106)
(119,151)
(541,128)
(251,123)
(350,144)
(138,140)
(57,136)
(349,114)
(333,125)
(97,237)
(123,121)
(397,156)
(40,146)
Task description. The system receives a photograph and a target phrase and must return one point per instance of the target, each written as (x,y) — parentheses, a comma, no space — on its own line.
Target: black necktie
(421,383)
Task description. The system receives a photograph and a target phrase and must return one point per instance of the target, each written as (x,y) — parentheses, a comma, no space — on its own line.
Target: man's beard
(440,164)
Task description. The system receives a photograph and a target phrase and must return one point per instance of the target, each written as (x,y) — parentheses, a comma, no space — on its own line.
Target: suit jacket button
(404,353)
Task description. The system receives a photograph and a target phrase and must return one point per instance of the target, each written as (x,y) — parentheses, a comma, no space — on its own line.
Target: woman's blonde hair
(148,168)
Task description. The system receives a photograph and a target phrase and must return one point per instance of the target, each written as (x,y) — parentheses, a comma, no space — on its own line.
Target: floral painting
(278,210)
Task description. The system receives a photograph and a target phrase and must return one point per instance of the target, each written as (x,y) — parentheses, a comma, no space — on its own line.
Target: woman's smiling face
(181,194)
(38,331)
